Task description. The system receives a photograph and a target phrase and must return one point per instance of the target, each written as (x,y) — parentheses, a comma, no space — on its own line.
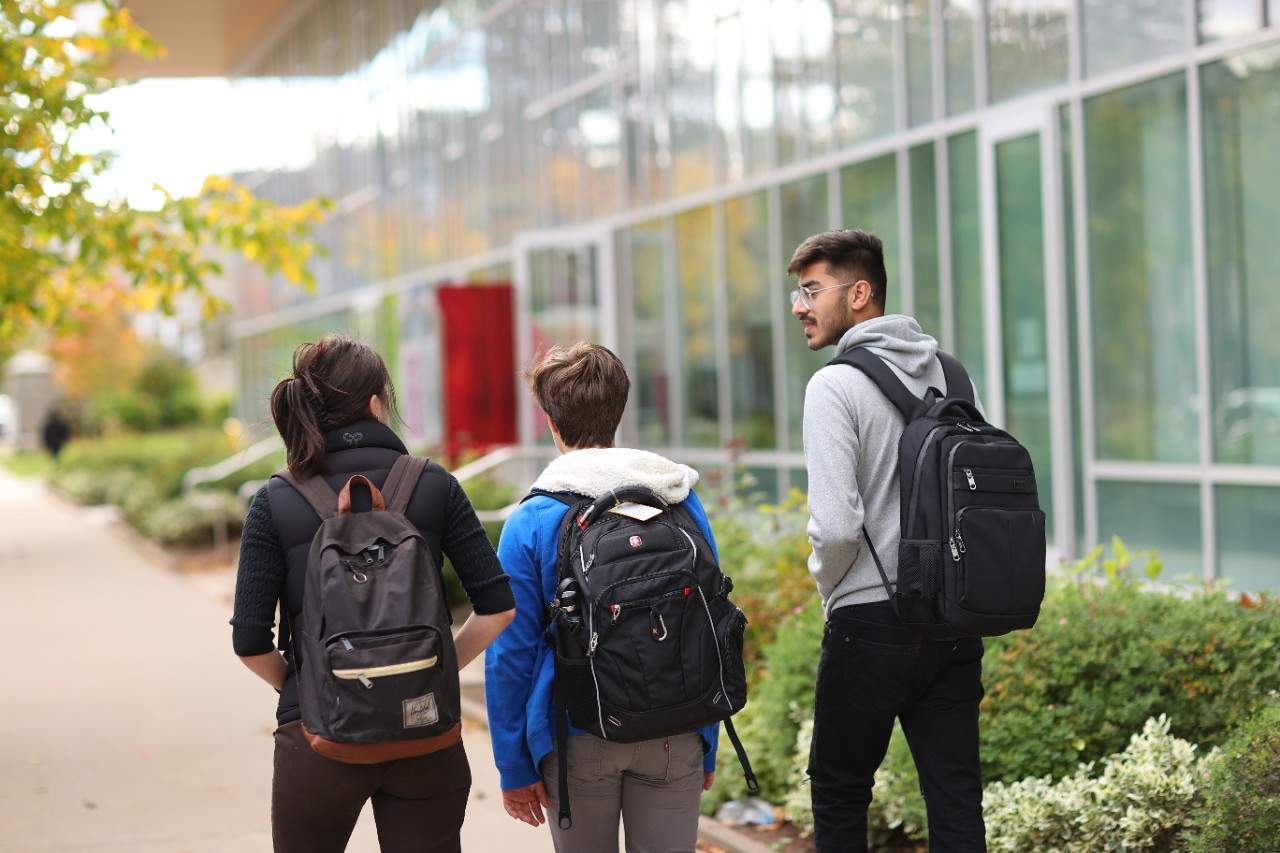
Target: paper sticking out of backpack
(640,512)
(377,668)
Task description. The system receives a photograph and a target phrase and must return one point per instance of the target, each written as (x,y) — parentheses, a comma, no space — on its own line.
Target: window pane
(1020,220)
(689,93)
(804,213)
(918,24)
(1226,18)
(1026,45)
(1242,183)
(1164,516)
(1247,520)
(1143,310)
(1117,35)
(802,35)
(649,398)
(958,24)
(924,240)
(753,303)
(864,68)
(869,200)
(696,303)
(966,255)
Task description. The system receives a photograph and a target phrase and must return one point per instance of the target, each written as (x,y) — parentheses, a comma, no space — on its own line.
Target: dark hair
(330,388)
(851,254)
(583,389)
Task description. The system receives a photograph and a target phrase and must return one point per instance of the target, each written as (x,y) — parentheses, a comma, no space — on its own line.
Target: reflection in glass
(1242,183)
(966,255)
(926,288)
(958,25)
(864,69)
(1117,35)
(650,401)
(918,26)
(752,303)
(563,295)
(1247,520)
(696,302)
(1023,334)
(1145,384)
(1219,19)
(802,43)
(1026,45)
(689,93)
(1164,516)
(804,213)
(869,200)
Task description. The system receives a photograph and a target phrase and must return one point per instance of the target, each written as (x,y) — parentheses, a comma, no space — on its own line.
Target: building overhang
(206,39)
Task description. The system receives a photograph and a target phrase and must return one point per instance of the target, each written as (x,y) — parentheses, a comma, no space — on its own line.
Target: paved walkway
(126,723)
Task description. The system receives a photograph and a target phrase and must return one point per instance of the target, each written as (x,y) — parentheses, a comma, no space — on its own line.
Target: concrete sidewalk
(126,722)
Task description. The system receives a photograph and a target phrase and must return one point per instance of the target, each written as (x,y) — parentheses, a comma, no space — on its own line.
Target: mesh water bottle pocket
(919,568)
(574,681)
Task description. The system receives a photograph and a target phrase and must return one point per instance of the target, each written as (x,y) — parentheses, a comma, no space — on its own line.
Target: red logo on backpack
(636,541)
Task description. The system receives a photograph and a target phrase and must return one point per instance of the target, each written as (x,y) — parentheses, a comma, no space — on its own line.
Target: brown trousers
(418,803)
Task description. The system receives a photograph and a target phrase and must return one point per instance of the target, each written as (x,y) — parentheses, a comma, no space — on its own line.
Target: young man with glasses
(872,668)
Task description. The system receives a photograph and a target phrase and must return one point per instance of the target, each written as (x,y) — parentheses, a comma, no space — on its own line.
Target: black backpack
(647,643)
(378,673)
(972,557)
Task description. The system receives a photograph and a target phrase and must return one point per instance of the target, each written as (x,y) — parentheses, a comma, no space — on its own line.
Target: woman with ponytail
(333,414)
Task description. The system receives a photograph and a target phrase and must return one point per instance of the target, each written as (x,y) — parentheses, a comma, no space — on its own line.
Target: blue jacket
(518,665)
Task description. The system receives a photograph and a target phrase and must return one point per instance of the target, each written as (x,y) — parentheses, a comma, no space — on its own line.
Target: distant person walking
(332,414)
(55,432)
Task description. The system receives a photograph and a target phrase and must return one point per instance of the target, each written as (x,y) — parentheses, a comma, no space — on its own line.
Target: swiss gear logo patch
(636,541)
(421,711)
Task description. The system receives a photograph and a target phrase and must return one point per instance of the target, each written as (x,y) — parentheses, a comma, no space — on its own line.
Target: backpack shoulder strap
(885,379)
(403,479)
(567,498)
(318,493)
(958,382)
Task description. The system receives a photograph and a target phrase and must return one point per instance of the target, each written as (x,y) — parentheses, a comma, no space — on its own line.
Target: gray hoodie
(851,433)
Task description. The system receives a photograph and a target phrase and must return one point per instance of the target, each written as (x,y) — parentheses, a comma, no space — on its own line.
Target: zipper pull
(973,484)
(595,641)
(955,552)
(346,644)
(960,543)
(586,567)
(364,680)
(616,610)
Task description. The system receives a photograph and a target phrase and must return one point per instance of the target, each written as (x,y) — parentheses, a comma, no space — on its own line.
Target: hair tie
(317,407)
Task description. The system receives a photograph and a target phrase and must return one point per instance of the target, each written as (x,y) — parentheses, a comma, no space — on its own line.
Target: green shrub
(897,806)
(780,697)
(191,519)
(1141,800)
(1241,808)
(1105,658)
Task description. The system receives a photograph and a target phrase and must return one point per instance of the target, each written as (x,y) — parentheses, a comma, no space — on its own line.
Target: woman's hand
(526,804)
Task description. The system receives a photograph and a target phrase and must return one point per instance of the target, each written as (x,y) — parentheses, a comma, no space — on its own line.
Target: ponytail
(330,388)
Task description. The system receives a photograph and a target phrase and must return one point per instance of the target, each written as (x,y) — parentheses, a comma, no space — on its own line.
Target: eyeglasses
(805,295)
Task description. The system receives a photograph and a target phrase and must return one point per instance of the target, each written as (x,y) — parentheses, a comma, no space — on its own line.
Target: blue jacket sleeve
(710,734)
(511,662)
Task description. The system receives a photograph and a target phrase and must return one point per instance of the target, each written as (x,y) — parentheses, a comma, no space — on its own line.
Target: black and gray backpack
(972,557)
(378,673)
(647,643)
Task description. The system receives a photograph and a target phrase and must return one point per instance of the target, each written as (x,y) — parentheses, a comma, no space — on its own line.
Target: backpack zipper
(364,674)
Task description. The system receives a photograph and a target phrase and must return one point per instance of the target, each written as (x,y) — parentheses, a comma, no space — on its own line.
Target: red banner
(478,342)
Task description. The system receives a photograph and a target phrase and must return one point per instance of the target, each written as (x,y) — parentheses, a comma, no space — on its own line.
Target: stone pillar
(29,382)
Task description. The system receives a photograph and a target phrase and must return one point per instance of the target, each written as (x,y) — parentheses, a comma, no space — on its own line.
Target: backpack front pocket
(387,682)
(1007,545)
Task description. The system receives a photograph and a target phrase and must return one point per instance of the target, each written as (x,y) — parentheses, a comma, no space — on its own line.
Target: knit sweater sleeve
(259,580)
(468,548)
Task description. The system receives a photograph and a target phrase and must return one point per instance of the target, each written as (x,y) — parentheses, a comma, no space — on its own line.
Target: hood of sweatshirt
(593,471)
(895,338)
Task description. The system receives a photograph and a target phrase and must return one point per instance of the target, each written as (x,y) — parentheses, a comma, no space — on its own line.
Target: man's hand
(526,804)
(708,779)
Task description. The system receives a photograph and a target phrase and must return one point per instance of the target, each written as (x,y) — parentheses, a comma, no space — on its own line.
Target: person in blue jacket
(654,786)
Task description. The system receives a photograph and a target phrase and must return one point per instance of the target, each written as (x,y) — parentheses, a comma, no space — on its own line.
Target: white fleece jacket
(851,433)
(593,471)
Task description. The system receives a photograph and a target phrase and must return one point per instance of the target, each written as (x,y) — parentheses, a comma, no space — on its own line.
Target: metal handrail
(213,473)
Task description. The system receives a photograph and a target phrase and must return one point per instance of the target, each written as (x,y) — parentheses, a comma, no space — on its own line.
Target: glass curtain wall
(753,301)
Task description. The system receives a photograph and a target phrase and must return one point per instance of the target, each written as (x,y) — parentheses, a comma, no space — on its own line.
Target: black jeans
(872,670)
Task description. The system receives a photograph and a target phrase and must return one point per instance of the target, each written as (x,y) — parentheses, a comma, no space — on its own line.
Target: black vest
(369,448)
